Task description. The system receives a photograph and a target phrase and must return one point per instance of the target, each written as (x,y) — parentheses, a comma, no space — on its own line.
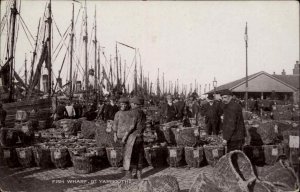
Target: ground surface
(40,180)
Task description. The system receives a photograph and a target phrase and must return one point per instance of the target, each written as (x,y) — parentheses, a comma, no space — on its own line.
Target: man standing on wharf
(234,131)
(133,139)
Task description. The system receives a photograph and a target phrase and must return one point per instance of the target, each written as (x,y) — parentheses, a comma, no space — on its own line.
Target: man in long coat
(212,113)
(233,126)
(133,139)
(169,110)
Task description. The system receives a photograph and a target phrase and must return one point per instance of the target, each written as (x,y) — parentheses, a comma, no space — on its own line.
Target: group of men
(129,121)
(221,116)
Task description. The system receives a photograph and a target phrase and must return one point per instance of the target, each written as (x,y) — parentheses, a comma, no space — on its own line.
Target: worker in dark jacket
(108,110)
(180,106)
(61,111)
(233,126)
(78,110)
(169,110)
(212,113)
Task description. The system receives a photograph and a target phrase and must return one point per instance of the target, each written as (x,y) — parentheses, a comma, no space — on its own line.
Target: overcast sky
(186,40)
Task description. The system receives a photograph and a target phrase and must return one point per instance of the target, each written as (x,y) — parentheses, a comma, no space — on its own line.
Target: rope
(129,71)
(27,35)
(22,21)
(62,40)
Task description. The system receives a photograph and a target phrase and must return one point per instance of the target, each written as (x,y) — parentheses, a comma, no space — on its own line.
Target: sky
(185,40)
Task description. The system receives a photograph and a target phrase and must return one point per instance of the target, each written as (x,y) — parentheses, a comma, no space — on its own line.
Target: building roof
(291,81)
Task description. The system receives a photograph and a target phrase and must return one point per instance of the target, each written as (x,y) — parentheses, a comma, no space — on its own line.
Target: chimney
(274,73)
(283,72)
(296,68)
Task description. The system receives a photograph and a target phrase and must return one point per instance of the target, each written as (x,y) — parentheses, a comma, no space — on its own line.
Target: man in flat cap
(212,112)
(234,131)
(108,112)
(121,120)
(134,147)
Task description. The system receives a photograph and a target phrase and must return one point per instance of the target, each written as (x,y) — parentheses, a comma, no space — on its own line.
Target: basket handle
(245,184)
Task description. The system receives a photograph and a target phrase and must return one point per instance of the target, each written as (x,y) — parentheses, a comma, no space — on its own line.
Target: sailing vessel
(15,93)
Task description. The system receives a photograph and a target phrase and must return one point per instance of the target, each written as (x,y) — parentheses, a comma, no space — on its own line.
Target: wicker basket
(186,136)
(100,155)
(60,157)
(294,156)
(97,151)
(115,156)
(193,156)
(169,135)
(204,183)
(76,150)
(175,156)
(42,156)
(255,154)
(213,153)
(156,156)
(10,157)
(281,175)
(25,156)
(83,163)
(272,152)
(286,135)
(234,172)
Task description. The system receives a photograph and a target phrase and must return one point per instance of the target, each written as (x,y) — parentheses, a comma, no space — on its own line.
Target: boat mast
(71,52)
(85,39)
(95,42)
(34,53)
(99,67)
(25,70)
(157,89)
(49,20)
(117,64)
(135,75)
(14,13)
(124,77)
(163,83)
